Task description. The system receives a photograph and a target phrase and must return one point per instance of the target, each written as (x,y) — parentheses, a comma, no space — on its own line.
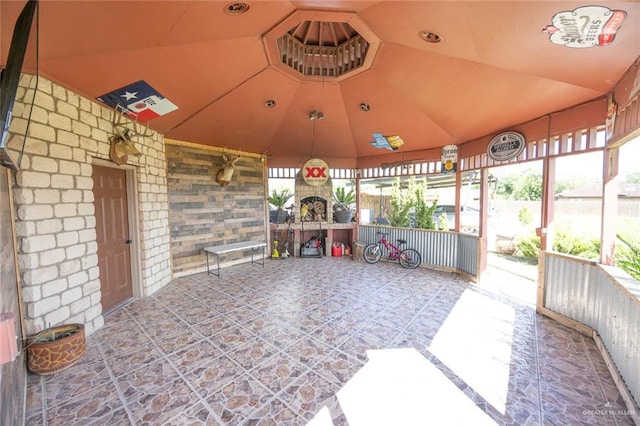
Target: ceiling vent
(327,49)
(315,45)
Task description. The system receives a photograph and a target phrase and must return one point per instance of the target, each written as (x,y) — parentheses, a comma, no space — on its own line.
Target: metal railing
(443,250)
(604,299)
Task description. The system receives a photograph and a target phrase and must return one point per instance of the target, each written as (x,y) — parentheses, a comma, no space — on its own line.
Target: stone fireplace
(313,209)
(313,203)
(316,202)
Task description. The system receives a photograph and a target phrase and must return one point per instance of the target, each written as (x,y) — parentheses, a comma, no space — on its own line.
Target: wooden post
(546,219)
(609,205)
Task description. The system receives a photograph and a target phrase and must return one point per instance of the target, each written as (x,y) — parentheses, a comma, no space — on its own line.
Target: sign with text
(315,172)
(585,26)
(449,159)
(506,146)
(138,101)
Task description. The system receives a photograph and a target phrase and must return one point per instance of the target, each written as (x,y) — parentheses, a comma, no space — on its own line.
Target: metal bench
(228,248)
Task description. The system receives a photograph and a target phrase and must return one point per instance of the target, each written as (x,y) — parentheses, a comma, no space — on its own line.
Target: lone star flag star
(129,95)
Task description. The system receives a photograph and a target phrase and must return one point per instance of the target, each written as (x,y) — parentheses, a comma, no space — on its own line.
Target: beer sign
(506,146)
(315,172)
(585,26)
(449,159)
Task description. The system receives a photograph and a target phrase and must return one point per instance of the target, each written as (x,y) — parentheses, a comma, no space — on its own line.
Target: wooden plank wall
(203,213)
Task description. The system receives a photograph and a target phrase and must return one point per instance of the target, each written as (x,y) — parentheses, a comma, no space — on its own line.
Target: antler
(125,133)
(120,128)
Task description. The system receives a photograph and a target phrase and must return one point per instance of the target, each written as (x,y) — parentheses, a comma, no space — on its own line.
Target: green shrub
(528,246)
(525,216)
(443,222)
(628,256)
(424,213)
(565,241)
(401,203)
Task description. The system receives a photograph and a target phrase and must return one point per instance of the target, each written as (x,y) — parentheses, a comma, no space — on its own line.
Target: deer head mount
(224,175)
(122,143)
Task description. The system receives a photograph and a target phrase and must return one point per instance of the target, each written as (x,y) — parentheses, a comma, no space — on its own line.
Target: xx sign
(315,172)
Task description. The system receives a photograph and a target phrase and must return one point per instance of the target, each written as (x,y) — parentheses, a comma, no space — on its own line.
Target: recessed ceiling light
(365,107)
(270,103)
(430,36)
(236,8)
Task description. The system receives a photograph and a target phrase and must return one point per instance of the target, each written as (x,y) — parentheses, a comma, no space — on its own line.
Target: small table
(228,248)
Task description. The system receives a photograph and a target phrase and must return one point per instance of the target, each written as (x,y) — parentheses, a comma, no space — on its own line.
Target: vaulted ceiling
(249,76)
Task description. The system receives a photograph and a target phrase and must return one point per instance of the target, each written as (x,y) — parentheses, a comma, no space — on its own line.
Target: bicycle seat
(402,241)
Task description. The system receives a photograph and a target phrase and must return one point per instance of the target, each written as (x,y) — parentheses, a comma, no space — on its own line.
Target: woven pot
(55,348)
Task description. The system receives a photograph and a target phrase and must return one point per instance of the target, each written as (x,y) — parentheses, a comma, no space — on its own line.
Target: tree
(506,186)
(401,203)
(529,186)
(424,213)
(633,177)
(522,186)
(525,216)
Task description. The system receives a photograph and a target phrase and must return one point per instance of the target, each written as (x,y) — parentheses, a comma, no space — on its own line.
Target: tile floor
(331,341)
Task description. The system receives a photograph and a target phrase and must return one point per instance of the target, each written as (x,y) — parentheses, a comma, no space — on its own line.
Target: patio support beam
(484,217)
(456,212)
(546,218)
(609,205)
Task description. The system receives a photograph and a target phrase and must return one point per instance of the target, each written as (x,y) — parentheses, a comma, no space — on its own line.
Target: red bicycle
(408,258)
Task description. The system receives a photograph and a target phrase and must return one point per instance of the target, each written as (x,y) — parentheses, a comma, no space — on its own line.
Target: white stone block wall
(55,218)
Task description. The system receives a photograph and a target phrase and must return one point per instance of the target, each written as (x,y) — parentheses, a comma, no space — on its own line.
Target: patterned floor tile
(310,394)
(155,394)
(273,413)
(208,375)
(279,371)
(100,406)
(80,379)
(196,415)
(270,346)
(238,399)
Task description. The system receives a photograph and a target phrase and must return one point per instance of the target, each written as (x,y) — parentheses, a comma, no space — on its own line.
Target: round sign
(315,172)
(506,146)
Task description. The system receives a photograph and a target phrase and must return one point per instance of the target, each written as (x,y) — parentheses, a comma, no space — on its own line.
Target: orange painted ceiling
(493,68)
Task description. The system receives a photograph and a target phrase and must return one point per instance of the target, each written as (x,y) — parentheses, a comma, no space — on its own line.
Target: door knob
(128,241)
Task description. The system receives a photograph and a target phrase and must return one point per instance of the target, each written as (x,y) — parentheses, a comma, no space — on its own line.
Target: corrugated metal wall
(439,249)
(603,298)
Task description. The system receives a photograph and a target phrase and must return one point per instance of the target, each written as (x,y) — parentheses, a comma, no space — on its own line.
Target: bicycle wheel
(410,259)
(372,253)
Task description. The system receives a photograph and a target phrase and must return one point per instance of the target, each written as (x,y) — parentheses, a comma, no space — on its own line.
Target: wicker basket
(55,348)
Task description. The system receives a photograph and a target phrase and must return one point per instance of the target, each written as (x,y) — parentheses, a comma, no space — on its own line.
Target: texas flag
(138,101)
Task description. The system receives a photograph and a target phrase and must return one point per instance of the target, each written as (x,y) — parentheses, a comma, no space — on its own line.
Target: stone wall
(57,248)
(204,213)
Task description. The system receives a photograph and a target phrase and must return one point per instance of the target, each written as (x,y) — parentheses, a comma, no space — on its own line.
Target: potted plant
(278,199)
(55,348)
(342,204)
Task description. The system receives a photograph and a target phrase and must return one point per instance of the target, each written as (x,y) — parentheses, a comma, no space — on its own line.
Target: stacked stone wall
(203,213)
(53,192)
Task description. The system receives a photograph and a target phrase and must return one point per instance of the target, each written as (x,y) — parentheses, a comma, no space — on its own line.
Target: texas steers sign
(585,26)
(315,172)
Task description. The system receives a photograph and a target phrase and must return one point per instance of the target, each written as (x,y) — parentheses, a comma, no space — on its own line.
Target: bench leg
(253,250)
(209,271)
(218,264)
